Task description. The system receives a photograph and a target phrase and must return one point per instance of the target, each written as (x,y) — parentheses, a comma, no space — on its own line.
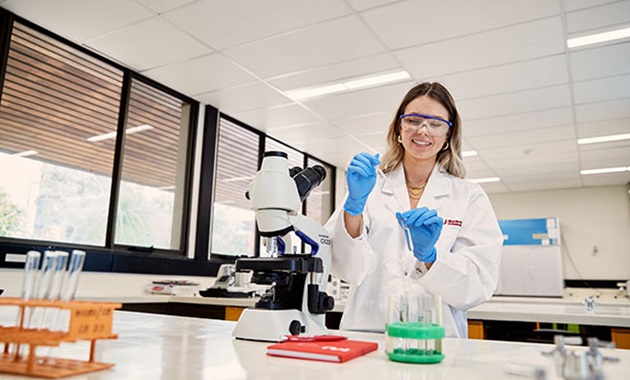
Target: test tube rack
(87,321)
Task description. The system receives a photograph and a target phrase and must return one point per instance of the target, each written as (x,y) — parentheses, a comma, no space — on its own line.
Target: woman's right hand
(361,178)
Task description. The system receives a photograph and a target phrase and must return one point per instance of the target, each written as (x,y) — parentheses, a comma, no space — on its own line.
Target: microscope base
(273,325)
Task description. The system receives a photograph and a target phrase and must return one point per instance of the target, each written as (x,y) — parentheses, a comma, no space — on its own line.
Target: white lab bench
(611,314)
(151,346)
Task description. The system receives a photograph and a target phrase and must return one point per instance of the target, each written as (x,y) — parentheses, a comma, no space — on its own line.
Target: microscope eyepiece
(308,179)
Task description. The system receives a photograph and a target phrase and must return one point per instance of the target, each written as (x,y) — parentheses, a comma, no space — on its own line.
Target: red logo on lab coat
(453,222)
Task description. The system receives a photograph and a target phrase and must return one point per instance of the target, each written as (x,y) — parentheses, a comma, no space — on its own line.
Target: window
(152,191)
(59,116)
(233,223)
(56,181)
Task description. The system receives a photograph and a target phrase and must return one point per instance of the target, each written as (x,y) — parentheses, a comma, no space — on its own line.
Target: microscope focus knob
(326,302)
(296,328)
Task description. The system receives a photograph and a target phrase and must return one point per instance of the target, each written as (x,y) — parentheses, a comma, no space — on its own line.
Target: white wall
(589,217)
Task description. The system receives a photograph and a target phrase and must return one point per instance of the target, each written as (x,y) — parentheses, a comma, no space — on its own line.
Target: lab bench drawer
(621,337)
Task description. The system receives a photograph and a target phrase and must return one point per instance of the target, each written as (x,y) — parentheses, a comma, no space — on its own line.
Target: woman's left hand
(425,227)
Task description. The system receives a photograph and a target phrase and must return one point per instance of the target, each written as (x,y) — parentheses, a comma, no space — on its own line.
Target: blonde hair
(449,159)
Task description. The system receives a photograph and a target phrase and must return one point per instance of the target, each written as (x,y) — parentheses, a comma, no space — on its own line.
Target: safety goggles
(413,122)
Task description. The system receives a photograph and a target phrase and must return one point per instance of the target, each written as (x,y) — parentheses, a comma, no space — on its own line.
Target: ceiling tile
(531,155)
(356,103)
(519,138)
(366,124)
(603,128)
(379,63)
(305,134)
(277,117)
(346,146)
(244,98)
(79,20)
(330,42)
(227,23)
(494,187)
(213,72)
(519,102)
(374,140)
(148,44)
(544,185)
(161,6)
(477,168)
(614,109)
(367,4)
(611,179)
(517,122)
(602,61)
(572,5)
(612,154)
(542,72)
(597,19)
(408,23)
(565,170)
(500,46)
(602,89)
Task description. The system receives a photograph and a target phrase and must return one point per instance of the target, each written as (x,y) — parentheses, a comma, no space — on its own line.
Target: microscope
(296,301)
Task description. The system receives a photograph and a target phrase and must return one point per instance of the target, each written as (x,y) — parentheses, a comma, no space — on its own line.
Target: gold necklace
(415,190)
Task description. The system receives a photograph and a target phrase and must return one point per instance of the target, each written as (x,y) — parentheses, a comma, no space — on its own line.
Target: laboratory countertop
(151,346)
(615,313)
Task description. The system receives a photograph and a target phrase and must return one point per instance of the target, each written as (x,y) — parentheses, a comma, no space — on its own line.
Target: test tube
(47,273)
(67,293)
(30,274)
(31,265)
(74,271)
(58,275)
(54,291)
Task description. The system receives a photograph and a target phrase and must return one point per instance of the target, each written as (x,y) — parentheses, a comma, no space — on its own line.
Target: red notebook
(331,351)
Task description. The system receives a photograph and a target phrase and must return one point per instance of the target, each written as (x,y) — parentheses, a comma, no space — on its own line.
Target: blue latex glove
(425,227)
(361,178)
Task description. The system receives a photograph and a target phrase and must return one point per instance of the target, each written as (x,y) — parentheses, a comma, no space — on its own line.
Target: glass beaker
(414,329)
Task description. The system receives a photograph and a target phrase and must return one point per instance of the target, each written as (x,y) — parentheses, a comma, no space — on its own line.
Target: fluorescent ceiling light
(598,38)
(309,92)
(26,153)
(485,180)
(377,79)
(600,139)
(128,131)
(469,153)
(605,170)
(315,91)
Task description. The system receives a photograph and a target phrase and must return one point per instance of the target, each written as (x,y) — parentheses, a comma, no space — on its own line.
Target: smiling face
(420,145)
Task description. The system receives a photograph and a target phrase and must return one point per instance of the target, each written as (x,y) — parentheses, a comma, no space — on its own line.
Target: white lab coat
(378,264)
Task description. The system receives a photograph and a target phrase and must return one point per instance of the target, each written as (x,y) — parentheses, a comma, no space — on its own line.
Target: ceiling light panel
(603,139)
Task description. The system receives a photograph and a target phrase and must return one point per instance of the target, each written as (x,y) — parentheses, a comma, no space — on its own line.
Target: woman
(455,244)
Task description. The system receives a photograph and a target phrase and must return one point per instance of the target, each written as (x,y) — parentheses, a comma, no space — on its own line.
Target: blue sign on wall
(543,231)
